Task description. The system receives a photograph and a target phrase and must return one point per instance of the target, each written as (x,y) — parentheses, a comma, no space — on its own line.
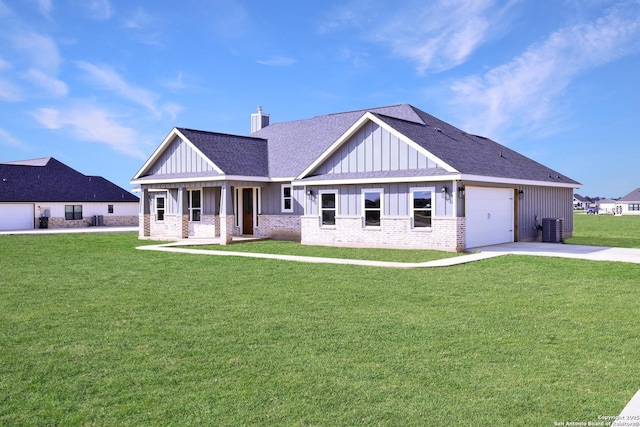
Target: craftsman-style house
(392,176)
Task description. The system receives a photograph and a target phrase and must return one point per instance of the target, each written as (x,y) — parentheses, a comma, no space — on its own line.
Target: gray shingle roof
(234,154)
(286,149)
(634,196)
(48,180)
(295,145)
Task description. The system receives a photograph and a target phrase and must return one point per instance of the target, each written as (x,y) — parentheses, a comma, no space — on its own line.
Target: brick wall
(60,222)
(446,234)
(206,227)
(278,227)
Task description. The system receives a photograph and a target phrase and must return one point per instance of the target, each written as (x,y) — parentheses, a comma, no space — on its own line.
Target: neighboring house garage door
(16,216)
(489,213)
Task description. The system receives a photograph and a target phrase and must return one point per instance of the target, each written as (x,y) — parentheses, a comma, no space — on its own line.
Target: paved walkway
(593,253)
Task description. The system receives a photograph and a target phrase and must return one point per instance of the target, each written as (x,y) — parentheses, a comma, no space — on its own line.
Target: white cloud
(42,51)
(524,93)
(108,79)
(45,6)
(7,138)
(9,91)
(93,124)
(50,84)
(277,61)
(97,9)
(437,35)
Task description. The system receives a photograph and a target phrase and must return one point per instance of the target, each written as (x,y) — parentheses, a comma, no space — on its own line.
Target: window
(328,208)
(195,205)
(421,207)
(287,198)
(160,208)
(634,206)
(72,212)
(110,209)
(372,207)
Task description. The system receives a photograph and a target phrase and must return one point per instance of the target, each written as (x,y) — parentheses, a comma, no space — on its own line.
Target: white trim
(155,207)
(337,202)
(203,179)
(412,190)
(283,198)
(437,178)
(190,207)
(363,191)
(513,181)
(368,116)
(163,146)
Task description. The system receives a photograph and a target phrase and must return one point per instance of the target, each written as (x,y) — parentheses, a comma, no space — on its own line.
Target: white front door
(489,216)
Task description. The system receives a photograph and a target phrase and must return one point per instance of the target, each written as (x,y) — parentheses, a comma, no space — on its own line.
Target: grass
(94,332)
(293,248)
(606,230)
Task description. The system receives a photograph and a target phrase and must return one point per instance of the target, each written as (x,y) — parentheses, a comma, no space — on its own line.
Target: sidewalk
(100,229)
(593,253)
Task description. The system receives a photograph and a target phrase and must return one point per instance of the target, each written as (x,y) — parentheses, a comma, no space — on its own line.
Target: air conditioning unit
(552,230)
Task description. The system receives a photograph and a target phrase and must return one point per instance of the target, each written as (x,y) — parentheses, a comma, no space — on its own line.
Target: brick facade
(446,234)
(61,222)
(278,227)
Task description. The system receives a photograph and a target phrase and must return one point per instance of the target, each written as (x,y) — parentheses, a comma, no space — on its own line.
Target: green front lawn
(606,230)
(94,332)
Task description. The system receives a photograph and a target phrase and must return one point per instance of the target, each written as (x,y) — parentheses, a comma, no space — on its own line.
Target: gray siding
(543,202)
(374,149)
(180,157)
(272,202)
(395,199)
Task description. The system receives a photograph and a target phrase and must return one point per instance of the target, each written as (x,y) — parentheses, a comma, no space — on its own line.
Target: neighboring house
(581,203)
(46,193)
(386,177)
(630,204)
(609,207)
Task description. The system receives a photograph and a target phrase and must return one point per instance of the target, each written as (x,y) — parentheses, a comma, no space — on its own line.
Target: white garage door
(18,216)
(489,213)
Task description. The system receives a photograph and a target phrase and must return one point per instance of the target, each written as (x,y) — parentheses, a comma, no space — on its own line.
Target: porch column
(183,212)
(144,215)
(226,214)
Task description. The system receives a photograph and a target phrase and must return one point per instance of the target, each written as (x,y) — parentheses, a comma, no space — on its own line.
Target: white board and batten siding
(489,216)
(16,216)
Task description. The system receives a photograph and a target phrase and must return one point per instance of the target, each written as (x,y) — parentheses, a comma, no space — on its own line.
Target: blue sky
(98,84)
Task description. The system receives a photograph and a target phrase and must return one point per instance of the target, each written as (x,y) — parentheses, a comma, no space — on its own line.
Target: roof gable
(48,180)
(189,153)
(634,196)
(369,146)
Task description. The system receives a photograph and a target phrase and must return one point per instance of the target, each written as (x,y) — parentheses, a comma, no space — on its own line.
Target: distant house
(609,207)
(391,176)
(630,204)
(581,203)
(46,193)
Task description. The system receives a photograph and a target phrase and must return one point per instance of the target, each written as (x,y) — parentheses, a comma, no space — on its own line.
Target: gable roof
(233,154)
(48,180)
(634,196)
(289,150)
(580,198)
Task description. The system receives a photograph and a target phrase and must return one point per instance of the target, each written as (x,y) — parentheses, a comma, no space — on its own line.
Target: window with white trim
(328,207)
(372,206)
(195,204)
(286,193)
(160,207)
(421,207)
